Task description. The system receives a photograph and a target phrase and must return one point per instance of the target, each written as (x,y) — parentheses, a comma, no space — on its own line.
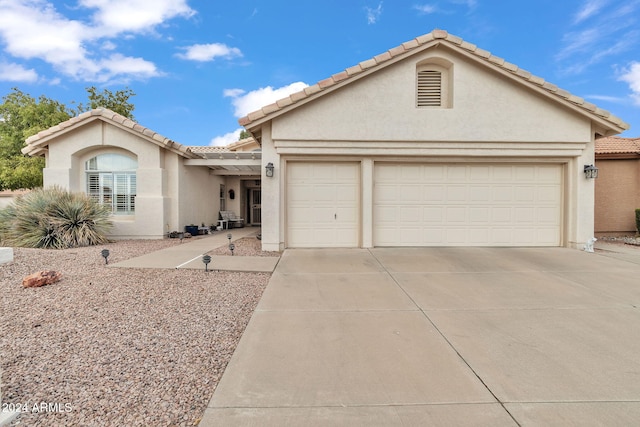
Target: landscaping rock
(6,255)
(41,278)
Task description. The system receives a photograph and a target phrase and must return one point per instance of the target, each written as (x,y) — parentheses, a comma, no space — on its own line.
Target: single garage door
(467,205)
(323,202)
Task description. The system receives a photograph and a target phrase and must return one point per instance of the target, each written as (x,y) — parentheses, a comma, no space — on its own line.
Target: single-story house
(152,184)
(618,185)
(435,142)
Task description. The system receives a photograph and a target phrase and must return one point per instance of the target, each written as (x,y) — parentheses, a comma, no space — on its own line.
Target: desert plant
(54,218)
(638,220)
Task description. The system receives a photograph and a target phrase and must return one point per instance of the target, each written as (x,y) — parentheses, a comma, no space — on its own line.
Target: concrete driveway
(440,336)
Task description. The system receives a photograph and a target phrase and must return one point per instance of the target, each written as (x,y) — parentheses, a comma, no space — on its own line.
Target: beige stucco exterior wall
(492,119)
(617,196)
(169,195)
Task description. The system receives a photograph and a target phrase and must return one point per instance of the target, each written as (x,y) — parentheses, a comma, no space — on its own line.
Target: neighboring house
(433,143)
(617,186)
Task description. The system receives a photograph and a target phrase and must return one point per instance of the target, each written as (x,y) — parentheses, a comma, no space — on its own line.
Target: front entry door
(255,198)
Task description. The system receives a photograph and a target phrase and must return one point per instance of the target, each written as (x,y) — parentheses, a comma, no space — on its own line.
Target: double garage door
(425,205)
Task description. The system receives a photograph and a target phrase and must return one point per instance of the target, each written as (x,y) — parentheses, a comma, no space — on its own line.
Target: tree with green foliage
(22,116)
(244,134)
(117,101)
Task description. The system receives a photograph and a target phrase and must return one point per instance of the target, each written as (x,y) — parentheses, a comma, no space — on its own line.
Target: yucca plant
(54,218)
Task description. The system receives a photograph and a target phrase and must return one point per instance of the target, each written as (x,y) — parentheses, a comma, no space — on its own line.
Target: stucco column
(584,199)
(272,188)
(367,202)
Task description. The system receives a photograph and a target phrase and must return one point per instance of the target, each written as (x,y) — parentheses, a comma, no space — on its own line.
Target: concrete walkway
(189,255)
(440,336)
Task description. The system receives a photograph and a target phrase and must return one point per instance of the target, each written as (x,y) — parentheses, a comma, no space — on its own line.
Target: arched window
(111,181)
(433,83)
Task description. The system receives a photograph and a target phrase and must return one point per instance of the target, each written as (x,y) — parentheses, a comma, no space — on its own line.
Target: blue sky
(197,66)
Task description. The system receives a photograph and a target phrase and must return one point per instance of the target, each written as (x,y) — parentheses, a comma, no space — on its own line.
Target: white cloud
(35,29)
(247,102)
(208,52)
(113,17)
(612,99)
(600,32)
(118,65)
(226,139)
(469,3)
(631,75)
(373,14)
(108,45)
(426,9)
(17,73)
(589,8)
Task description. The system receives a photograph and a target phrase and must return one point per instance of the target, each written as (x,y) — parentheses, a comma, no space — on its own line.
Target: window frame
(114,187)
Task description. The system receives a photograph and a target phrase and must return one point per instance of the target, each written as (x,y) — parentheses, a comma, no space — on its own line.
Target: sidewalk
(189,254)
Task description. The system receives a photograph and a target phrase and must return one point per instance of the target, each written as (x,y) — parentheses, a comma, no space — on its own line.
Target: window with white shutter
(111,181)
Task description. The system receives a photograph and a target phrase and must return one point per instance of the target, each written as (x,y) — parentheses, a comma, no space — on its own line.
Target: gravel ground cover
(118,347)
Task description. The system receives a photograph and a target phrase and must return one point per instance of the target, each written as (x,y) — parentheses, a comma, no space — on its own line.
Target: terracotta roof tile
(368,64)
(383,57)
(343,75)
(284,102)
(441,36)
(411,44)
(208,149)
(617,145)
(326,83)
(468,46)
(36,144)
(398,50)
(354,70)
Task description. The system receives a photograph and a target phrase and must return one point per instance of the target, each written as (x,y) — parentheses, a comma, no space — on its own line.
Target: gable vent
(429,88)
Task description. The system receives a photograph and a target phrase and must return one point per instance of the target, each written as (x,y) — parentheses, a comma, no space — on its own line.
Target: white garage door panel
(467,205)
(322,204)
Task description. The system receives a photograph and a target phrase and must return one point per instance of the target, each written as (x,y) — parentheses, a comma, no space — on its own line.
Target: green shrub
(638,220)
(54,218)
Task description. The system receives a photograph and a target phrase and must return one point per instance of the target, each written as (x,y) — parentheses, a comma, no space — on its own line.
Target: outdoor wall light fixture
(269,170)
(105,255)
(206,259)
(590,171)
(231,248)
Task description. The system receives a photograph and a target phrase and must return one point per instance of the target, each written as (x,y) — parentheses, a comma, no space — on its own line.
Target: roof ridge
(406,47)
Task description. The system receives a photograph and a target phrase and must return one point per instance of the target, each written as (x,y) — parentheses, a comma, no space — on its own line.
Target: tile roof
(617,145)
(430,39)
(204,149)
(37,144)
(232,147)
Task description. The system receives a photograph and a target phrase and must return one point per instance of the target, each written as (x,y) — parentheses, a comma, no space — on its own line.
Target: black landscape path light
(229,237)
(206,259)
(105,255)
(231,248)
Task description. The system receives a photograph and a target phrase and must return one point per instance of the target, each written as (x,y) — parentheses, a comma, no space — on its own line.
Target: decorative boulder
(41,278)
